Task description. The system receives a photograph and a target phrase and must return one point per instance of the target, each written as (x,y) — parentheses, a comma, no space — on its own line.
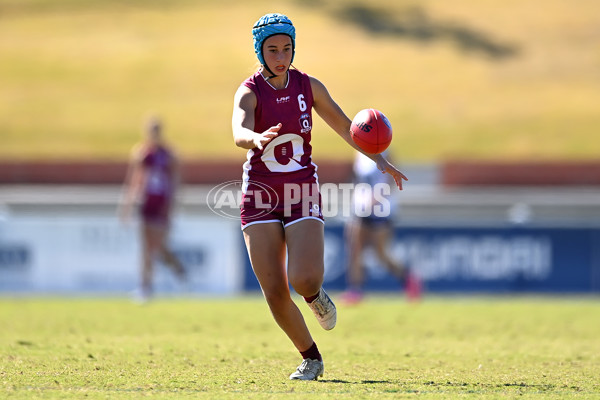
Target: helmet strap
(265,67)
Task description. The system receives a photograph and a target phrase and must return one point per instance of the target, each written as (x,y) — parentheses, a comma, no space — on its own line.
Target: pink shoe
(351,297)
(413,287)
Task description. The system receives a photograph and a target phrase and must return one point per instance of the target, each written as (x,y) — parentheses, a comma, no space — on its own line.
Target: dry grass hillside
(463,79)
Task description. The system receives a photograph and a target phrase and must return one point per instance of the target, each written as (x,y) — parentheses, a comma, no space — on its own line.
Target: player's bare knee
(305,284)
(275,297)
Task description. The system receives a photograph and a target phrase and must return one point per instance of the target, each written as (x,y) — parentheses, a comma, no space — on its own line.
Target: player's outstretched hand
(261,140)
(387,168)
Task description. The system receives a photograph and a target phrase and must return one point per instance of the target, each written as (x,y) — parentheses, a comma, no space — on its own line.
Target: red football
(371,131)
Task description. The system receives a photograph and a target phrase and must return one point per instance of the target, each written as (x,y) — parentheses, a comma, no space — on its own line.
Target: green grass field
(442,348)
(463,79)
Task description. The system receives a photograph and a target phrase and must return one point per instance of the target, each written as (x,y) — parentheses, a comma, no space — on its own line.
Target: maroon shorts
(286,203)
(155,209)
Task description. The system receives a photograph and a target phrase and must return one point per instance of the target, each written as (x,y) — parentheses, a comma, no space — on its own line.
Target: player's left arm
(333,115)
(330,112)
(387,167)
(176,174)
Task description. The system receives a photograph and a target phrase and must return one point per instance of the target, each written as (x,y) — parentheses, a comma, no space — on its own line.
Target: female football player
(372,230)
(152,180)
(281,203)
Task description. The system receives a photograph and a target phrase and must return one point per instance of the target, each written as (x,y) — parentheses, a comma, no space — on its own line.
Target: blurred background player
(372,230)
(151,182)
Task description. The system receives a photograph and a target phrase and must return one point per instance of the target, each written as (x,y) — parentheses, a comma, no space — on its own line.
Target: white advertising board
(97,254)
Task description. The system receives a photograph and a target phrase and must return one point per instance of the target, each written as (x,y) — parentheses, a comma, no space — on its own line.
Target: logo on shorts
(225,199)
(316,210)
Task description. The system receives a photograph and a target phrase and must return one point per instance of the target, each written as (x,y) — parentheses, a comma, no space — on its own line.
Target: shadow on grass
(538,387)
(524,385)
(364,382)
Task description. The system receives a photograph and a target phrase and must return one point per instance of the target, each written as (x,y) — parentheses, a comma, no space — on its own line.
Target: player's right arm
(133,183)
(242,121)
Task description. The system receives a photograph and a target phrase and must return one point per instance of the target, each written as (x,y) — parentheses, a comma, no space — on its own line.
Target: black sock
(312,353)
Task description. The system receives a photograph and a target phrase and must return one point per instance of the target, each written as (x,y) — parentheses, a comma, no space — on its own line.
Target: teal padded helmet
(270,25)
